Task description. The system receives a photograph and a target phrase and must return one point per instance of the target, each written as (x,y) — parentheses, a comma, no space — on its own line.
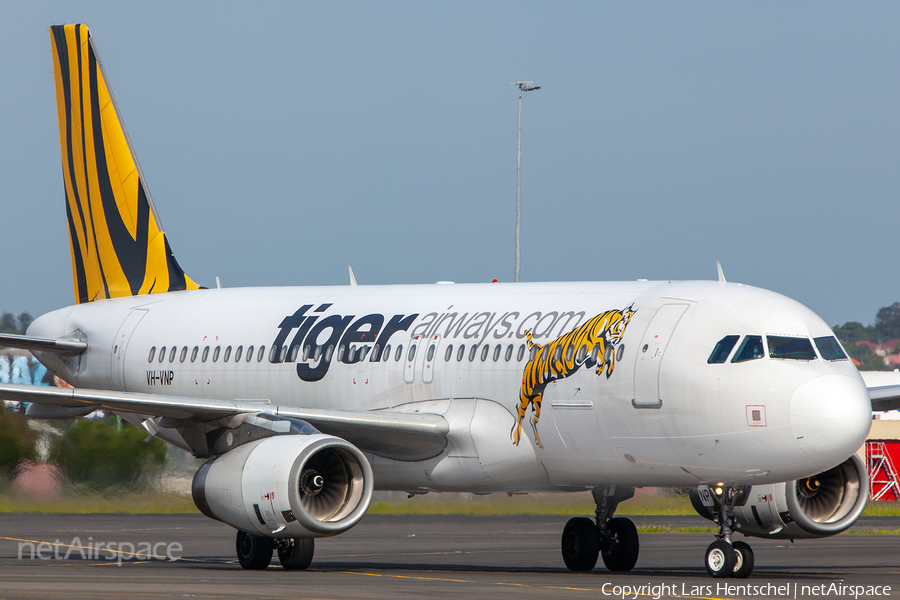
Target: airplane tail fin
(117,243)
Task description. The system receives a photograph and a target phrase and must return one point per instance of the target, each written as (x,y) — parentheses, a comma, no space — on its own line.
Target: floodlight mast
(524,86)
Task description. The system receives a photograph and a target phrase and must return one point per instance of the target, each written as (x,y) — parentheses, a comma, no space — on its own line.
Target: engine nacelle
(287,486)
(817,506)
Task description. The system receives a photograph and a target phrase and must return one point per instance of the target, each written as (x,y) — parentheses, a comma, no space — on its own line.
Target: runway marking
(524,585)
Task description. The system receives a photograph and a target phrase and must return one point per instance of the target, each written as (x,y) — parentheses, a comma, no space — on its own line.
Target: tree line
(9,323)
(885,328)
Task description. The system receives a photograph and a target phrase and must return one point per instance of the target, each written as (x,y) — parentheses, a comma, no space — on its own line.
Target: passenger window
(318,353)
(376,353)
(595,352)
(497,353)
(162,354)
(398,353)
(152,354)
(295,350)
(272,354)
(387,353)
(723,349)
(570,351)
(534,352)
(750,349)
(237,353)
(557,354)
(194,354)
(472,352)
(829,348)
(412,353)
(249,353)
(509,350)
(793,348)
(449,353)
(216,353)
(260,354)
(342,353)
(484,352)
(430,356)
(620,352)
(172,354)
(582,353)
(461,353)
(329,352)
(521,353)
(205,354)
(183,354)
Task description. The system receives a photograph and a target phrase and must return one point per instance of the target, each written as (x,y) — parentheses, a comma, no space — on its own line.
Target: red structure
(882,459)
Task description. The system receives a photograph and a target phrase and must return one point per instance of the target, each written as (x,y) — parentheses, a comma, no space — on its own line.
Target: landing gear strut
(724,557)
(615,539)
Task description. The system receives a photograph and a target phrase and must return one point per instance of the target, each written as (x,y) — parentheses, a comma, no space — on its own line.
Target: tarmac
(92,556)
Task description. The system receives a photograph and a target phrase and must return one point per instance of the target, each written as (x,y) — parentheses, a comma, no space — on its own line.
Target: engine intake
(817,506)
(287,486)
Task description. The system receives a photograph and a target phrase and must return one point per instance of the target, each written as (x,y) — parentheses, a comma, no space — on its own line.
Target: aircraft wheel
(720,559)
(624,548)
(296,554)
(743,563)
(254,552)
(580,544)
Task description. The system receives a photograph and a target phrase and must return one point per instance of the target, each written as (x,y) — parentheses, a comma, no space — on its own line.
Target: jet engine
(817,506)
(287,486)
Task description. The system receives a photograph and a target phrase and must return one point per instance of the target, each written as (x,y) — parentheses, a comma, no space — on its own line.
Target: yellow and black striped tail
(118,246)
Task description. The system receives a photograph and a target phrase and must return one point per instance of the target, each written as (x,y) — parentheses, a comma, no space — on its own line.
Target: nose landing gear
(615,539)
(724,557)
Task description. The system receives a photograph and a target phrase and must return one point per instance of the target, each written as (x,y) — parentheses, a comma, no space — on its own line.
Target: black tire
(720,559)
(623,551)
(297,554)
(743,555)
(254,552)
(580,544)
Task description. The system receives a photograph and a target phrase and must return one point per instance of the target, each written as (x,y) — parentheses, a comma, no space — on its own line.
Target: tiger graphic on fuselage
(592,343)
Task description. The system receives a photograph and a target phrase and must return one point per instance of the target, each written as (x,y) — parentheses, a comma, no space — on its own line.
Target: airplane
(305,400)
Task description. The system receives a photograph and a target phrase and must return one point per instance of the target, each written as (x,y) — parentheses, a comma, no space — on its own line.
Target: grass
(645,503)
(112,501)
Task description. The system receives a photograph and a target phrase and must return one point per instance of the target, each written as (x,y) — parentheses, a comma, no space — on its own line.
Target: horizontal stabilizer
(36,344)
(401,436)
(884,389)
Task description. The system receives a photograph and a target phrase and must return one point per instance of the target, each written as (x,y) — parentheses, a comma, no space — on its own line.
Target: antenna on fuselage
(722,281)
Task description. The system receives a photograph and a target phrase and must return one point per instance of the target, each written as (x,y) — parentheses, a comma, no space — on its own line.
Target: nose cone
(831,416)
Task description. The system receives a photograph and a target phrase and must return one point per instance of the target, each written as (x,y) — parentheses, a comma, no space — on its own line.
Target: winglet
(721,273)
(352,276)
(117,243)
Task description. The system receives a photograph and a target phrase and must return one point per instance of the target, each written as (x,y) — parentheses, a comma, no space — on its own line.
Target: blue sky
(283,142)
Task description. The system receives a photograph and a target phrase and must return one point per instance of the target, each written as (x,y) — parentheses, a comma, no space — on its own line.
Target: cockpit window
(829,348)
(750,349)
(723,349)
(794,348)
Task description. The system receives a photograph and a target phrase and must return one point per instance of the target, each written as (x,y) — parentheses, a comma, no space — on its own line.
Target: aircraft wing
(884,389)
(395,435)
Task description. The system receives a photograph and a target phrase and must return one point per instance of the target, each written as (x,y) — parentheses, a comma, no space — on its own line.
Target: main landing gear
(585,540)
(255,551)
(724,557)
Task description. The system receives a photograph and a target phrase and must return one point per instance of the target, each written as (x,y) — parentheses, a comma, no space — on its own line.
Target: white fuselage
(663,416)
